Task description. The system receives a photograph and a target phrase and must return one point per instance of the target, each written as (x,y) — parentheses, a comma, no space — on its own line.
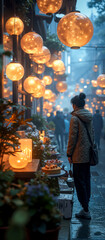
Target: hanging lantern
(103,103)
(7,42)
(39,68)
(48,93)
(58,67)
(81,90)
(101,80)
(94,83)
(53,97)
(14,26)
(31,42)
(47,105)
(82,80)
(61,86)
(39,89)
(14,71)
(98,91)
(51,6)
(38,109)
(87,81)
(42,56)
(18,161)
(30,84)
(52,59)
(95,68)
(75,30)
(48,114)
(47,80)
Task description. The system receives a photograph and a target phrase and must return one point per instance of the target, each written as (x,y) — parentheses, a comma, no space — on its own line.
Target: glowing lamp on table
(19,160)
(26,147)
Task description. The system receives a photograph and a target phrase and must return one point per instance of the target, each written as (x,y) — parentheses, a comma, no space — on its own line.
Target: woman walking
(78,152)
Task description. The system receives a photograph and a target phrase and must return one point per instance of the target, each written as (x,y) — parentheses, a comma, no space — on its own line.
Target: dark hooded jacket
(78,143)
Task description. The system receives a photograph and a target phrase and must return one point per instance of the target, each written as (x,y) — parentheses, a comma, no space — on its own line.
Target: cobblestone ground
(95,229)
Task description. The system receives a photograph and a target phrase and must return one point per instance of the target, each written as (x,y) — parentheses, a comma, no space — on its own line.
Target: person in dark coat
(59,130)
(98,125)
(78,152)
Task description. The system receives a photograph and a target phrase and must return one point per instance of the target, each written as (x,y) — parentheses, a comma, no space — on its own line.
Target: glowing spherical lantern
(7,42)
(31,42)
(18,161)
(87,81)
(51,6)
(103,103)
(48,93)
(98,91)
(39,89)
(82,80)
(101,80)
(58,67)
(14,26)
(42,56)
(81,90)
(39,68)
(52,59)
(53,97)
(95,68)
(47,105)
(47,80)
(30,84)
(94,83)
(61,86)
(14,71)
(75,30)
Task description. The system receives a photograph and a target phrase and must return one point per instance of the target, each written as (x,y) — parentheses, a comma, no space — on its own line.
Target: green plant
(39,122)
(9,123)
(53,44)
(51,125)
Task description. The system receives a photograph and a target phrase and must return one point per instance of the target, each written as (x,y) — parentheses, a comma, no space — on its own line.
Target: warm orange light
(103,92)
(101,80)
(58,67)
(98,91)
(81,90)
(18,161)
(94,83)
(14,26)
(7,42)
(39,89)
(75,30)
(51,6)
(87,81)
(26,147)
(53,97)
(52,59)
(38,109)
(47,105)
(61,86)
(48,114)
(39,68)
(82,80)
(31,42)
(47,94)
(30,84)
(42,56)
(47,80)
(14,71)
(95,68)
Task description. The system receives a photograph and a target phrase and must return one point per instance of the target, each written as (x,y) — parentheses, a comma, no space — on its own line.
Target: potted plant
(27,211)
(10,121)
(53,44)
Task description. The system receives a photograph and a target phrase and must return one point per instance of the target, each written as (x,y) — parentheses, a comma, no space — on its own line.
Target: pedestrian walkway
(95,228)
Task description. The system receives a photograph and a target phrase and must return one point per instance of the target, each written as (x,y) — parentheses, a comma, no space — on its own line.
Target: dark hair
(78,100)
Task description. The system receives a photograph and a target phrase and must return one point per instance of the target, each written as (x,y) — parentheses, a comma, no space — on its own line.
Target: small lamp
(39,89)
(42,56)
(101,80)
(14,71)
(47,80)
(51,6)
(61,86)
(30,84)
(19,160)
(31,42)
(26,147)
(14,26)
(58,67)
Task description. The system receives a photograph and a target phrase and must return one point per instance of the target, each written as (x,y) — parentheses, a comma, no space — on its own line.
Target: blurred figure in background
(51,118)
(66,134)
(98,126)
(59,130)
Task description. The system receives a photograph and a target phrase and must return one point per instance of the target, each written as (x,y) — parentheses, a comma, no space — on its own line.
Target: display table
(26,173)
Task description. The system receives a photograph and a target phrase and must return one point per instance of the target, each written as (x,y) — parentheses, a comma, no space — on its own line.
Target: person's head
(97,111)
(78,101)
(58,113)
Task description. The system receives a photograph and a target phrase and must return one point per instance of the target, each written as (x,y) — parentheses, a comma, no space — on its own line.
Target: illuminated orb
(7,42)
(98,91)
(48,93)
(18,161)
(47,80)
(75,30)
(39,89)
(47,105)
(51,6)
(14,26)
(30,84)
(103,92)
(42,56)
(82,80)
(61,86)
(53,97)
(31,42)
(101,80)
(95,68)
(58,67)
(94,83)
(87,81)
(38,68)
(14,71)
(52,59)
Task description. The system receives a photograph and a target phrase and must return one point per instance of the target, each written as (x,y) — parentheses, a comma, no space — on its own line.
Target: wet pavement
(93,229)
